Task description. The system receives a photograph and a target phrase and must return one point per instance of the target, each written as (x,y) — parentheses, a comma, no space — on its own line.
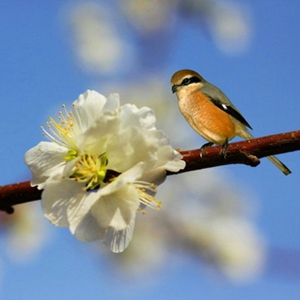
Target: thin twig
(244,152)
(17,193)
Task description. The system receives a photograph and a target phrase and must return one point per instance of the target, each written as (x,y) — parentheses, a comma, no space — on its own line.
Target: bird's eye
(186,81)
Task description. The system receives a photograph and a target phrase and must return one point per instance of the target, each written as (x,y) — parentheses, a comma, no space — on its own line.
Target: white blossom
(102,164)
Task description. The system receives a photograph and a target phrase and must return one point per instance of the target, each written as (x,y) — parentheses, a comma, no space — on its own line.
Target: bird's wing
(219,99)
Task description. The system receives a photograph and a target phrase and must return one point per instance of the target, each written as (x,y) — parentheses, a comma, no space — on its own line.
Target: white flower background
(223,233)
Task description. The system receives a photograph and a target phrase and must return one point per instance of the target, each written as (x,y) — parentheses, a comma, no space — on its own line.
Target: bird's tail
(279,164)
(273,159)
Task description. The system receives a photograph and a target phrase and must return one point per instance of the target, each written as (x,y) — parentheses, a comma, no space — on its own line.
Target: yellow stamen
(66,129)
(90,169)
(145,189)
(72,154)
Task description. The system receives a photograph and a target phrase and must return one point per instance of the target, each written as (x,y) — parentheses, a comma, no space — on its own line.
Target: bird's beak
(174,88)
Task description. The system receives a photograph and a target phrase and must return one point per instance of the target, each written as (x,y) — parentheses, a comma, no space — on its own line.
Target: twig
(17,193)
(244,152)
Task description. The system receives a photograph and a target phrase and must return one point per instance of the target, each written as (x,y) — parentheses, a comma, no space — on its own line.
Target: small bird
(210,113)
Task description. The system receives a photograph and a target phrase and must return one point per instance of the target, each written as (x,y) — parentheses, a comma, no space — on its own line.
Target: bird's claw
(224,149)
(203,148)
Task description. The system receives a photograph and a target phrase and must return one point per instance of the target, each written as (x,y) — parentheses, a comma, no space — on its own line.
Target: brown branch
(17,193)
(244,152)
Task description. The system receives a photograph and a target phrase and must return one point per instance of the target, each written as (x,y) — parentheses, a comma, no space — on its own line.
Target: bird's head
(187,80)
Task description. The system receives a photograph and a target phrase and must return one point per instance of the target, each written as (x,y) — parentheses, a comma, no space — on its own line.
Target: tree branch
(244,152)
(17,193)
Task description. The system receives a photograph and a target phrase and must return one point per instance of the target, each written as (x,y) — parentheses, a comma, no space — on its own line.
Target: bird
(210,113)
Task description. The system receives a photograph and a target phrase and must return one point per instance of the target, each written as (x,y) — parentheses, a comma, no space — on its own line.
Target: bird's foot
(203,148)
(224,149)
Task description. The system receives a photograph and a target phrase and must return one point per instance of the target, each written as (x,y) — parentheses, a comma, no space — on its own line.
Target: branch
(17,193)
(244,152)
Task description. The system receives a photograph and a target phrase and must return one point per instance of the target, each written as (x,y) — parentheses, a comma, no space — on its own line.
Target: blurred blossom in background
(139,35)
(211,224)
(91,27)
(215,223)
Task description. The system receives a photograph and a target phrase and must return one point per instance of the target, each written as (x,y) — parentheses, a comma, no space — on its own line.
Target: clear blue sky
(38,73)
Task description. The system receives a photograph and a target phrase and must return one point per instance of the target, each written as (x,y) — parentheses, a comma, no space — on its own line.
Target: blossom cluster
(101,165)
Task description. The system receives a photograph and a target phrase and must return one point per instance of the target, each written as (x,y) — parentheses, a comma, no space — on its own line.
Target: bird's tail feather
(280,165)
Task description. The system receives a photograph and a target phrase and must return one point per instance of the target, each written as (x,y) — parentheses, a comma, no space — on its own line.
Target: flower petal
(43,160)
(88,107)
(112,104)
(156,176)
(117,209)
(88,230)
(118,201)
(174,162)
(118,240)
(65,203)
(175,165)
(136,146)
(137,117)
(103,129)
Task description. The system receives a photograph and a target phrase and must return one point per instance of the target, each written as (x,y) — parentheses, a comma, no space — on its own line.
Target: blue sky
(38,72)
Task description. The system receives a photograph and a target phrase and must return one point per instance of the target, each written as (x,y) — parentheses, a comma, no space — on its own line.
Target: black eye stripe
(187,81)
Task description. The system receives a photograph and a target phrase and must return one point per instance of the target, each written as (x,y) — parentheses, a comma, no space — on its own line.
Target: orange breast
(209,121)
